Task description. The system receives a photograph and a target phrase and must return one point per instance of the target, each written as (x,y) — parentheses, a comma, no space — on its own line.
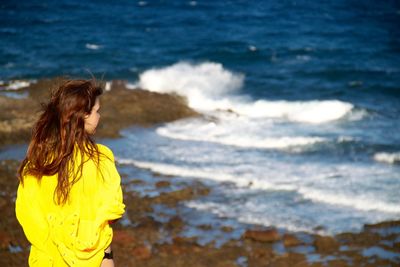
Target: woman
(69,190)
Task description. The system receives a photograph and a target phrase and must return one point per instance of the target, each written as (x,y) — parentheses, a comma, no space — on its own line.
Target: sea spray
(209,87)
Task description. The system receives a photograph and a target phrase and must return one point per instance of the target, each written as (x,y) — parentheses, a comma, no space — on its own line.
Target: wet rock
(289,260)
(205,227)
(3,203)
(147,230)
(16,120)
(188,193)
(179,240)
(5,240)
(136,182)
(387,224)
(363,239)
(319,228)
(226,263)
(227,229)
(148,222)
(142,252)
(261,252)
(175,224)
(337,263)
(139,107)
(123,237)
(269,235)
(325,244)
(290,240)
(163,184)
(179,246)
(202,190)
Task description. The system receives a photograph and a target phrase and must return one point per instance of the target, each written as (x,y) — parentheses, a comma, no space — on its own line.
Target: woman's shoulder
(105,150)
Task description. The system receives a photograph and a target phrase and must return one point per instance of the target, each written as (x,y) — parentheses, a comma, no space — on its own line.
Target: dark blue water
(344,169)
(303,48)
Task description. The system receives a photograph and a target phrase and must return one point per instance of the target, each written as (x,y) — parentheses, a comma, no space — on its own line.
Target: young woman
(69,190)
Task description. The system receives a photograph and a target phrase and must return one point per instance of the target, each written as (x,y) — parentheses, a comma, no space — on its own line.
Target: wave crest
(209,87)
(391,158)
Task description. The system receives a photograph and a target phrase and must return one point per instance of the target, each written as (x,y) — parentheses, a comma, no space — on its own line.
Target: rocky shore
(156,229)
(120,108)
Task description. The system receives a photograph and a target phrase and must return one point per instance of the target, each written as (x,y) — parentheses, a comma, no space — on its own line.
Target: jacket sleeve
(97,235)
(112,206)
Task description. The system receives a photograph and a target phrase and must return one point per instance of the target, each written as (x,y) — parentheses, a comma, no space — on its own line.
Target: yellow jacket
(77,233)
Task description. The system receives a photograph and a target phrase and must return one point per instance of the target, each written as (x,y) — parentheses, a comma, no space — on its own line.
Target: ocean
(301,99)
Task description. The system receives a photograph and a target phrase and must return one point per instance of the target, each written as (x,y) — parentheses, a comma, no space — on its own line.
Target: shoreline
(154,231)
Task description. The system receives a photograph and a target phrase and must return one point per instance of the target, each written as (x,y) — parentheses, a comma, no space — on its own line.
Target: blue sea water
(302,98)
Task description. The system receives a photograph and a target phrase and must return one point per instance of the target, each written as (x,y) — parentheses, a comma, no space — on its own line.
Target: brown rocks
(172,198)
(261,252)
(337,263)
(326,244)
(269,235)
(179,240)
(227,229)
(289,260)
(205,227)
(290,240)
(141,252)
(160,184)
(123,237)
(123,107)
(3,202)
(5,240)
(365,238)
(175,223)
(16,120)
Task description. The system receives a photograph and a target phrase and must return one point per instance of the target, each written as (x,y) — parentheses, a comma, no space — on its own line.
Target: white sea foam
(246,215)
(240,140)
(344,196)
(209,174)
(390,158)
(18,84)
(252,48)
(93,46)
(299,111)
(344,139)
(209,87)
(107,86)
(360,203)
(204,81)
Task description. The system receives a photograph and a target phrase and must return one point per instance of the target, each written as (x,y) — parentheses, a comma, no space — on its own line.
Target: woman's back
(77,232)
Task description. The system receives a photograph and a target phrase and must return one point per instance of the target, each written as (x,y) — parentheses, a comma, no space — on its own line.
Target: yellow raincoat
(77,233)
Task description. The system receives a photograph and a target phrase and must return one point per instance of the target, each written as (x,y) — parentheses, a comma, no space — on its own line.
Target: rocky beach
(156,230)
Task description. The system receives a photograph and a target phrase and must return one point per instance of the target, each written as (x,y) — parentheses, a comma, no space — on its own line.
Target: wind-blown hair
(59,137)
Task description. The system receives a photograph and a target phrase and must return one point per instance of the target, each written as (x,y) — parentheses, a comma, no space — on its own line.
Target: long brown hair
(59,136)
